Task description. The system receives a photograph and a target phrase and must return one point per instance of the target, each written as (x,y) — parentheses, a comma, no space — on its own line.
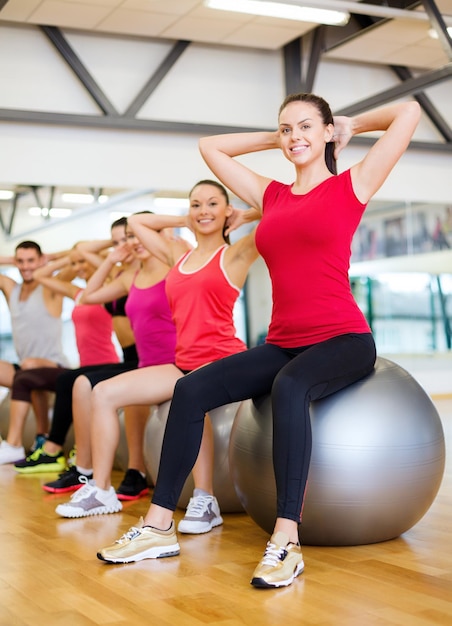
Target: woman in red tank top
(328,344)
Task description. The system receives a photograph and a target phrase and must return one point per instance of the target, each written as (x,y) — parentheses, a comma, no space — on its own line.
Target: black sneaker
(66,482)
(133,486)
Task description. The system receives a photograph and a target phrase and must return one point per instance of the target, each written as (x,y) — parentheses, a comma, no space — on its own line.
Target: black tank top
(117,308)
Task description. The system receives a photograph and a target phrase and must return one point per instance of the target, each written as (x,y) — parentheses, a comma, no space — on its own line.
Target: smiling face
(209,209)
(27,261)
(138,250)
(303,133)
(81,267)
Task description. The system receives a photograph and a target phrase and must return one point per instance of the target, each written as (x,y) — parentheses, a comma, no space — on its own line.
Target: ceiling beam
(157,77)
(57,39)
(163,126)
(427,106)
(408,87)
(292,66)
(439,25)
(88,210)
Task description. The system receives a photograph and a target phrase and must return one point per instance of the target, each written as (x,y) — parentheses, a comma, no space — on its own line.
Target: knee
(102,393)
(81,385)
(290,390)
(186,388)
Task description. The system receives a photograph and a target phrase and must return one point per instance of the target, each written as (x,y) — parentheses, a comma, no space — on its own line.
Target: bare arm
(97,290)
(240,217)
(61,283)
(7,260)
(147,227)
(219,151)
(92,250)
(398,122)
(7,284)
(239,257)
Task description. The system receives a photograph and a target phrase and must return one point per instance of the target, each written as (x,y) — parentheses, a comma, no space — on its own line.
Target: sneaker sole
(199,530)
(99,510)
(41,469)
(261,583)
(152,553)
(126,497)
(61,489)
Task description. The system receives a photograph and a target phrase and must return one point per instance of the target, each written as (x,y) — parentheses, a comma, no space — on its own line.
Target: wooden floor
(50,576)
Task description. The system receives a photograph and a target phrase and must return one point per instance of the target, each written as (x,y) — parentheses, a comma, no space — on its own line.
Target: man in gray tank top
(37,336)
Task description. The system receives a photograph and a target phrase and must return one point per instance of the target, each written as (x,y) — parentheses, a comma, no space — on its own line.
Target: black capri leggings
(62,410)
(294,377)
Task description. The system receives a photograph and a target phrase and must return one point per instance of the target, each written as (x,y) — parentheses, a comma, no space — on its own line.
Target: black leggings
(294,377)
(62,410)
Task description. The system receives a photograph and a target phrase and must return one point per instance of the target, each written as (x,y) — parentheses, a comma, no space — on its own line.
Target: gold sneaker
(141,542)
(281,563)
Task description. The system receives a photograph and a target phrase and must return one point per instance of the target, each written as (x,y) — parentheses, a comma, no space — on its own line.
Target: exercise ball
(377,460)
(222,419)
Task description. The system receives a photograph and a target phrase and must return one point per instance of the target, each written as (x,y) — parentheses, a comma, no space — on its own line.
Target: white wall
(209,84)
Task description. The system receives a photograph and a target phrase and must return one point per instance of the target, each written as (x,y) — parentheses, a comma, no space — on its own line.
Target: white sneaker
(203,514)
(90,500)
(10,454)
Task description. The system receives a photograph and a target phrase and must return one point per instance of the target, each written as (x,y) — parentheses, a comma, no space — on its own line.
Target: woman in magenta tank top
(202,288)
(318,340)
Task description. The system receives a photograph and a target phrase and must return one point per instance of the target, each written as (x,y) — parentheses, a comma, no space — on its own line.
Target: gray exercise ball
(377,461)
(222,420)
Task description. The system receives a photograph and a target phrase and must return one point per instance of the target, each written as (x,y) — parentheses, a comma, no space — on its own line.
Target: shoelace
(197,505)
(273,554)
(129,535)
(34,456)
(84,491)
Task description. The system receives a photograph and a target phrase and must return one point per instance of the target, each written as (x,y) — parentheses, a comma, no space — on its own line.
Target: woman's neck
(310,177)
(207,245)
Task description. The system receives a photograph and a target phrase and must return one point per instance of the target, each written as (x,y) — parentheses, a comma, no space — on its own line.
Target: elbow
(414,110)
(202,145)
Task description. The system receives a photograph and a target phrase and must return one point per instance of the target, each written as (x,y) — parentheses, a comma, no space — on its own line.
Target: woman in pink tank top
(208,279)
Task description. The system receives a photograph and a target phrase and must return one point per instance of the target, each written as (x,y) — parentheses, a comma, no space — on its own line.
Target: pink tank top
(93,334)
(152,324)
(202,302)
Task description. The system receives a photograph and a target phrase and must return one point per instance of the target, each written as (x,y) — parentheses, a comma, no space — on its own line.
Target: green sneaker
(281,563)
(39,462)
(141,542)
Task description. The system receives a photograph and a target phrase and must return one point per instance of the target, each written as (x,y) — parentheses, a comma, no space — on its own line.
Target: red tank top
(305,241)
(202,303)
(93,334)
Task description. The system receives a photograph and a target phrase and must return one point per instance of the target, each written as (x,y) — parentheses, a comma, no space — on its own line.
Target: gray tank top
(36,333)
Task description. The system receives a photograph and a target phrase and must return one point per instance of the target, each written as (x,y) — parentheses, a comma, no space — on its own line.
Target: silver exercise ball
(222,420)
(377,461)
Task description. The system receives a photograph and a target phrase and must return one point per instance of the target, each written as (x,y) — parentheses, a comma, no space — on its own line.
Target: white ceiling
(398,41)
